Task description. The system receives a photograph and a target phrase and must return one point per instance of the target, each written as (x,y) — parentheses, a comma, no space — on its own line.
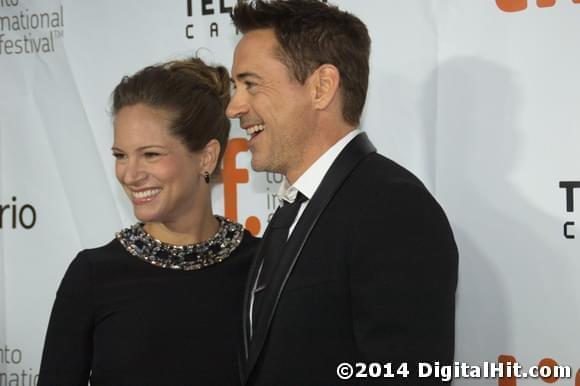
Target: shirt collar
(308,182)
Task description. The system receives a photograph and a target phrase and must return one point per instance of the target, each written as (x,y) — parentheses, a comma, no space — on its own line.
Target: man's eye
(249,85)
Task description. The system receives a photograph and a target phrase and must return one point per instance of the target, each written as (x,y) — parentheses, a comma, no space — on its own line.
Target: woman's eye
(150,154)
(118,156)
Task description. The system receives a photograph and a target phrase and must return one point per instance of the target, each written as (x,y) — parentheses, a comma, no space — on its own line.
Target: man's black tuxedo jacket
(368,275)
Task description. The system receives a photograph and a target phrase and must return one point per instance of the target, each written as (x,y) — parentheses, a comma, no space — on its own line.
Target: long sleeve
(403,278)
(67,354)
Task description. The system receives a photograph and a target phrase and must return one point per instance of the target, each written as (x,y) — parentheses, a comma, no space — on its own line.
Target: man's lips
(254,130)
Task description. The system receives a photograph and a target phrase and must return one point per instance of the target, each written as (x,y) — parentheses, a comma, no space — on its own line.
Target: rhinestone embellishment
(182,257)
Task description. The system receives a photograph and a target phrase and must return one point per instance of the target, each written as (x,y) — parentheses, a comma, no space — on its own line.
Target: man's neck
(318,146)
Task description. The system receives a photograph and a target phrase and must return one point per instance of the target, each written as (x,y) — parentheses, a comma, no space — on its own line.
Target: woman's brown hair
(194,93)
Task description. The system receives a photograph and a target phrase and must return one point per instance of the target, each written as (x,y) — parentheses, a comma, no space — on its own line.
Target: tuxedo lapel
(344,164)
(246,327)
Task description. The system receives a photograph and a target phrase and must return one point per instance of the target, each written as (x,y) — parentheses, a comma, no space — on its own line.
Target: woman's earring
(206,177)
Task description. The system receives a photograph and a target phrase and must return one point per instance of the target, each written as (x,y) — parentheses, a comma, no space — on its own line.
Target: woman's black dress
(118,321)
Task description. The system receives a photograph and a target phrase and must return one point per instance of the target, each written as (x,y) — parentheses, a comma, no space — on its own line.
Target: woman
(161,303)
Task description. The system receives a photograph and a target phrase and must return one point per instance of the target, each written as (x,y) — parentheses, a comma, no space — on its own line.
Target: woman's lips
(144,196)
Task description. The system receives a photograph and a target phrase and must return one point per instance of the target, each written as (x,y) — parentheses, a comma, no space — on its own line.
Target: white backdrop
(479,98)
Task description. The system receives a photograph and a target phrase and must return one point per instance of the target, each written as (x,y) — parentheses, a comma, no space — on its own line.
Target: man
(364,269)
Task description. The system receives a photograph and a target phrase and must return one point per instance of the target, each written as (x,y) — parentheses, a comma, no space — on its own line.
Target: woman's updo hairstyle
(194,93)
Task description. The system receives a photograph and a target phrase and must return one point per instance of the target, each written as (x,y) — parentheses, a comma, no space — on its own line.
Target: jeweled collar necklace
(182,257)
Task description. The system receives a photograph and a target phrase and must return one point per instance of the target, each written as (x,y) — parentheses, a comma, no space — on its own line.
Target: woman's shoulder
(101,254)
(79,275)
(87,258)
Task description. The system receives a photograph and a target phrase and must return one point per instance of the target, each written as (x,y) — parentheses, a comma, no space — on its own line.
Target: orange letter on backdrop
(506,381)
(232,177)
(545,3)
(520,5)
(512,5)
(549,362)
(549,3)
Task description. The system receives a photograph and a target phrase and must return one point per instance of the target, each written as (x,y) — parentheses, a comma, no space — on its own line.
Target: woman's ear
(209,156)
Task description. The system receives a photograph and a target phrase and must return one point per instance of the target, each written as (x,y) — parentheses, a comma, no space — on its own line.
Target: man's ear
(325,83)
(209,156)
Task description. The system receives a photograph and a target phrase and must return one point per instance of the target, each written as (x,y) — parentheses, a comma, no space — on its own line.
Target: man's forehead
(262,36)
(255,49)
(254,43)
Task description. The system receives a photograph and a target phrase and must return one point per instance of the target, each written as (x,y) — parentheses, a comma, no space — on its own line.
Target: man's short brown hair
(312,33)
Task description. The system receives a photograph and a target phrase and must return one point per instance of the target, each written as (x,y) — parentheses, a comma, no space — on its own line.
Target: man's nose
(237,106)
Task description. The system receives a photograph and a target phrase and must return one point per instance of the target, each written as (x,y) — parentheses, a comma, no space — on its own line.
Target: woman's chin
(144,216)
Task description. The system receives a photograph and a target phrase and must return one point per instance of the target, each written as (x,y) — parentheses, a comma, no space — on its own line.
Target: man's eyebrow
(244,75)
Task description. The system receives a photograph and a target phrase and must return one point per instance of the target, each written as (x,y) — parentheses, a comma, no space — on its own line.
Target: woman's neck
(187,230)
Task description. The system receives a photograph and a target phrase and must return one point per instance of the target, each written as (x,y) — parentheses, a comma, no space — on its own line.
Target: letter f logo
(232,177)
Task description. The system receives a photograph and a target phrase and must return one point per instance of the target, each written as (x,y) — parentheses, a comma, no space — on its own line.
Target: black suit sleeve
(67,354)
(403,275)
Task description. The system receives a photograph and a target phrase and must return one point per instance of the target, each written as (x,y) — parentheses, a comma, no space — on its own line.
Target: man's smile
(254,130)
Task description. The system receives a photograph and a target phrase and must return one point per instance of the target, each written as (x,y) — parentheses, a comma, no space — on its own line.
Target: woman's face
(157,171)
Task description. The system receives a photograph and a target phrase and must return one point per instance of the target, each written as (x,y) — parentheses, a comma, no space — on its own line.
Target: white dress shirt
(309,181)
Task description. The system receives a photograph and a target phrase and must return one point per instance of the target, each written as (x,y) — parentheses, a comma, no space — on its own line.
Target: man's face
(274,108)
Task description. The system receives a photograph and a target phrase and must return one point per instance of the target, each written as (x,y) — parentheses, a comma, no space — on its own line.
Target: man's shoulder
(380,187)
(379,182)
(376,169)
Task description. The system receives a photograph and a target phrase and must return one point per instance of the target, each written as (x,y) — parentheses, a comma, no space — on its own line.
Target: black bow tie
(286,214)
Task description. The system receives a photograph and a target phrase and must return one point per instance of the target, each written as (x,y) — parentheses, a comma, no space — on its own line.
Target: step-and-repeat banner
(479,98)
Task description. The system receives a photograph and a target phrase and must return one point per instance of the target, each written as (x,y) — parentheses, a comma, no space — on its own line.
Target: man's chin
(258,166)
